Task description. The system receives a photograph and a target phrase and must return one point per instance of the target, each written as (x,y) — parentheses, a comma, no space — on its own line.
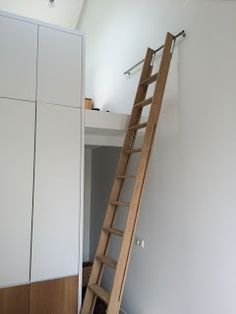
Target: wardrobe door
(59,67)
(16,184)
(18,54)
(57,192)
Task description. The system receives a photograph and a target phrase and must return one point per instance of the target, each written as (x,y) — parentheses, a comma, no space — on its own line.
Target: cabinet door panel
(18,53)
(16,181)
(57,192)
(60,67)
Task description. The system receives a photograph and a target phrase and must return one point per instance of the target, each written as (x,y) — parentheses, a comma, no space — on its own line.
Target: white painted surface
(105,122)
(92,140)
(104,160)
(57,192)
(105,128)
(65,12)
(87,203)
(59,67)
(188,211)
(18,53)
(81,212)
(16,184)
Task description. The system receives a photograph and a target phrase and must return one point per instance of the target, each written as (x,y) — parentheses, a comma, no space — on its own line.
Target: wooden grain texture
(58,296)
(113,298)
(14,300)
(98,267)
(131,223)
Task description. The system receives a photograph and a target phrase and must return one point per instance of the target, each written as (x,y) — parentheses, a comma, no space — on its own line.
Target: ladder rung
(101,293)
(138,126)
(120,203)
(126,176)
(114,231)
(107,261)
(150,80)
(144,103)
(131,151)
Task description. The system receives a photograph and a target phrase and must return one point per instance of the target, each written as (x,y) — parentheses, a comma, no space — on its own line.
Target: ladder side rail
(125,252)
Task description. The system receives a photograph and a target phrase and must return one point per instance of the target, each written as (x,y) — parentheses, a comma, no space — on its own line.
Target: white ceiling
(65,12)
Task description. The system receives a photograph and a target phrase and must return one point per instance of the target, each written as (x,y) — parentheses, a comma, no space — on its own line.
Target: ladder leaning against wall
(102,259)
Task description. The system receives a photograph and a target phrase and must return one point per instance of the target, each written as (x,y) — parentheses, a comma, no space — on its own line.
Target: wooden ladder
(102,260)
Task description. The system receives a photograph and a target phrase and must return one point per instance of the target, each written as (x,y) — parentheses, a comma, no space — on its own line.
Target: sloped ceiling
(65,12)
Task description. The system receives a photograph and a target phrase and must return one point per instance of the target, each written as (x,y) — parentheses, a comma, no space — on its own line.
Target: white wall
(119,28)
(188,213)
(104,161)
(65,12)
(87,203)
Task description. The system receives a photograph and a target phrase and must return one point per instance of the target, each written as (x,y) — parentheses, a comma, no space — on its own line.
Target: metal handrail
(183,33)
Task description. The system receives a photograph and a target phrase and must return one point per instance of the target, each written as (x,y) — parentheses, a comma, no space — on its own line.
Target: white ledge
(105,128)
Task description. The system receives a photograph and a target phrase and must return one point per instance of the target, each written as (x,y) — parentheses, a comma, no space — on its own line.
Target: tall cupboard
(41,87)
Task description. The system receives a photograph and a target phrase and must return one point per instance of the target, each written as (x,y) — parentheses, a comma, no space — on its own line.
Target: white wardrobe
(41,81)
